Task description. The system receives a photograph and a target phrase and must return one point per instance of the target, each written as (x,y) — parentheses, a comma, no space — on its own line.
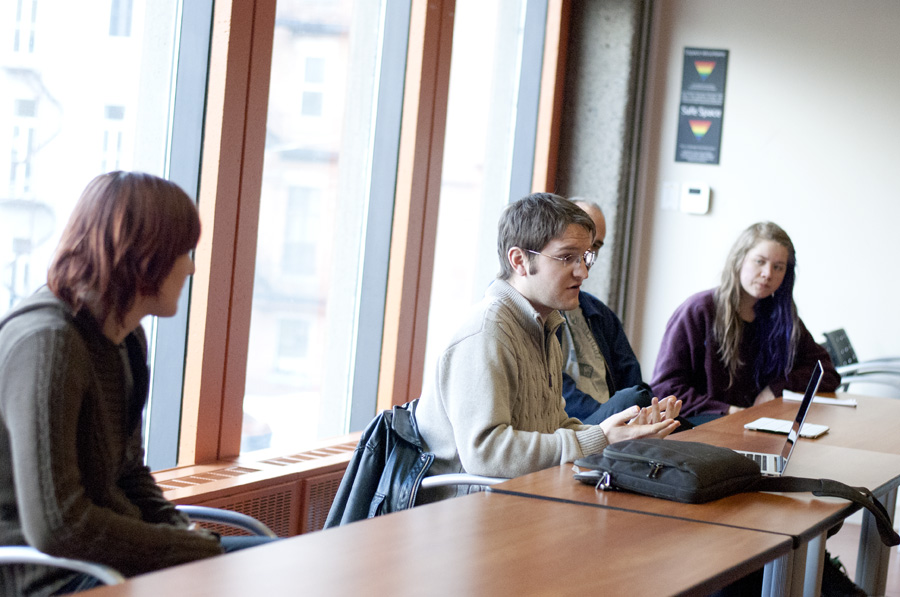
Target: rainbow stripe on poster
(704,68)
(699,127)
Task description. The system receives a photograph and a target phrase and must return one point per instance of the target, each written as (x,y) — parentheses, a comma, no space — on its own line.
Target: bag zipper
(654,464)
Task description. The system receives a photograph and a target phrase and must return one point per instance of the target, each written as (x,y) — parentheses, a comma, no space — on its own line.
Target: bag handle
(831,488)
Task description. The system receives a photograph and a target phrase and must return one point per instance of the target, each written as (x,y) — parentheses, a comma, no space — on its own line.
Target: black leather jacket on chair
(386,470)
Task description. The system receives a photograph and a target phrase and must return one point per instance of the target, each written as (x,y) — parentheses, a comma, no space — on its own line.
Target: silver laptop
(773,465)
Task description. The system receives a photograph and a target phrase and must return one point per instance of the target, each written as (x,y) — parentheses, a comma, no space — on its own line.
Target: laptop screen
(811,388)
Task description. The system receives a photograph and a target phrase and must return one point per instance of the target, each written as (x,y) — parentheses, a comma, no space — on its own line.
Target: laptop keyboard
(759,459)
(763,460)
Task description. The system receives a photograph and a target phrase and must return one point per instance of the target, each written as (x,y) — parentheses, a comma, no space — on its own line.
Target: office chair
(882,371)
(23,554)
(388,468)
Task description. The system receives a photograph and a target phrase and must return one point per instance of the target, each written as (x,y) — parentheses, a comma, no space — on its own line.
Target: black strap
(830,488)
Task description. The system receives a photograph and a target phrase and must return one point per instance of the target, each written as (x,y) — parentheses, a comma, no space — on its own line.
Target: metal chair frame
(23,554)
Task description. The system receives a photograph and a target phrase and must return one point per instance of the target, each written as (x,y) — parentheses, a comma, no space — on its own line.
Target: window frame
(228,201)
(162,418)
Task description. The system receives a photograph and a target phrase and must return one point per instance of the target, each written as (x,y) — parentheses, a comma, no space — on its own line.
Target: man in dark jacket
(601,375)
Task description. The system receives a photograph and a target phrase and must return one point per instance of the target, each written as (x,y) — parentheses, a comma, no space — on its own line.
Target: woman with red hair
(73,384)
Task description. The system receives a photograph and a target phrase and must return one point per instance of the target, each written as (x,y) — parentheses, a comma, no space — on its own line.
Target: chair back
(839,348)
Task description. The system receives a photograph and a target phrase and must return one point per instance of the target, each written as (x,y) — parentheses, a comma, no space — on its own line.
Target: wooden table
(868,428)
(482,544)
(871,425)
(801,516)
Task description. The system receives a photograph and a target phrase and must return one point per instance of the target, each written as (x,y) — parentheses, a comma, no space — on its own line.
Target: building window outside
(112,151)
(300,225)
(120,18)
(116,113)
(25,108)
(315,70)
(293,345)
(25,25)
(311,105)
(314,79)
(22,148)
(24,223)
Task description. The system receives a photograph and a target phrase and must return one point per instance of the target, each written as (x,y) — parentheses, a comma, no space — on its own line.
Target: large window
(488,150)
(88,87)
(324,185)
(324,218)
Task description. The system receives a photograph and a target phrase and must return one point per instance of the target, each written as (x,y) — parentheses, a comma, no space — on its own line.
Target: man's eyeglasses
(571,260)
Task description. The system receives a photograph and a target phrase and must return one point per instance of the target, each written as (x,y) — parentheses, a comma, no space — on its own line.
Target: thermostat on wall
(695,198)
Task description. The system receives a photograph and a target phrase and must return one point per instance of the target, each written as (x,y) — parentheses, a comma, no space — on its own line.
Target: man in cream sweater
(494,404)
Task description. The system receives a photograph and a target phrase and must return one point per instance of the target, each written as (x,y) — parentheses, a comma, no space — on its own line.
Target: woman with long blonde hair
(741,343)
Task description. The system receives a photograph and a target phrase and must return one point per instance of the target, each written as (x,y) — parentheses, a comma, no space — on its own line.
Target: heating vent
(311,455)
(319,492)
(277,507)
(291,493)
(216,475)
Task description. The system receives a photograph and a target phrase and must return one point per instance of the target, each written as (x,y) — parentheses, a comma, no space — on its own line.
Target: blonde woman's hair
(776,315)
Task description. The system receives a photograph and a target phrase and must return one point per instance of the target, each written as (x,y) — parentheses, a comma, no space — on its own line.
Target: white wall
(811,140)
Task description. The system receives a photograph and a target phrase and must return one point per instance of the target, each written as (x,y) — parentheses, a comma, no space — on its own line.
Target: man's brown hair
(532,222)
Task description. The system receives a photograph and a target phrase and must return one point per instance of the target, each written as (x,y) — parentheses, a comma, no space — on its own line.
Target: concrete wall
(596,132)
(811,140)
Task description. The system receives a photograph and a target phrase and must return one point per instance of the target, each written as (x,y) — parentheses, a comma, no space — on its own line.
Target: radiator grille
(319,492)
(273,506)
(291,502)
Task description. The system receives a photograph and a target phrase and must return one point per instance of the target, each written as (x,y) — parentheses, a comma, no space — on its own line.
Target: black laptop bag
(695,473)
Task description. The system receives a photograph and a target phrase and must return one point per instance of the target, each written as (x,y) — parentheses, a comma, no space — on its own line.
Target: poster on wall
(702,104)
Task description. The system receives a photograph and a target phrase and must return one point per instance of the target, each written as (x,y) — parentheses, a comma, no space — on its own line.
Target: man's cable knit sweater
(494,406)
